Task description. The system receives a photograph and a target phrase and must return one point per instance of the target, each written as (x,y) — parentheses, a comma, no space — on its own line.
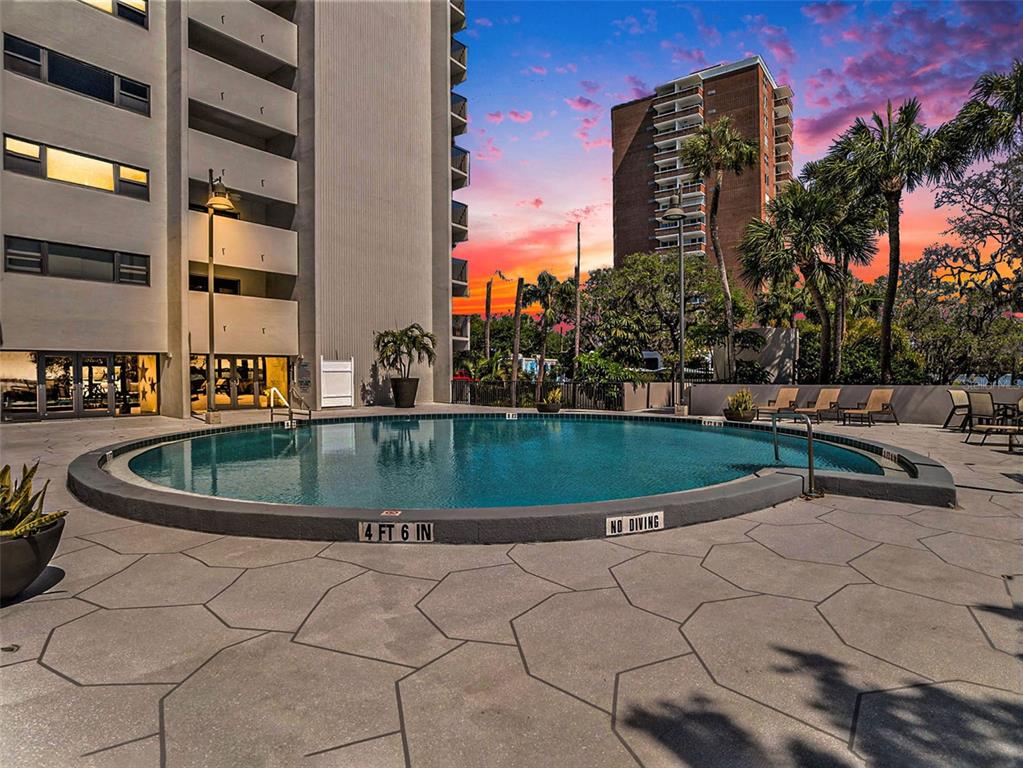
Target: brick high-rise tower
(646,135)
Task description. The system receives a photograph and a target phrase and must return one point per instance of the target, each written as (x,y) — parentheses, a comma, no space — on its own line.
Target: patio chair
(985,412)
(1010,430)
(826,402)
(879,403)
(960,407)
(784,401)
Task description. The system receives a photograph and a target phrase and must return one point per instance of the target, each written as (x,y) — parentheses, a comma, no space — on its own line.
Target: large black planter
(733,415)
(24,558)
(548,407)
(404,392)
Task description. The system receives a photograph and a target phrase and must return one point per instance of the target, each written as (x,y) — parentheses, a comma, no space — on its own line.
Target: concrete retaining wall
(913,404)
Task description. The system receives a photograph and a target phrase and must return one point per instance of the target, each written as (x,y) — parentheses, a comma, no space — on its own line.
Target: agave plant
(21,511)
(741,401)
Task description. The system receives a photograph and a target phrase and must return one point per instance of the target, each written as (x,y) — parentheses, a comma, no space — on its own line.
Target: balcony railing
(457,15)
(696,109)
(460,326)
(459,221)
(459,270)
(459,113)
(669,96)
(459,167)
(459,54)
(676,133)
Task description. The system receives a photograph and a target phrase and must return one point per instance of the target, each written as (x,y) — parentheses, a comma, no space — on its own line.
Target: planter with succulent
(741,406)
(550,402)
(28,535)
(396,351)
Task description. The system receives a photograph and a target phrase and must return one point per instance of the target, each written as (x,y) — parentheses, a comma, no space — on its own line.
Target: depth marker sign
(648,521)
(395,533)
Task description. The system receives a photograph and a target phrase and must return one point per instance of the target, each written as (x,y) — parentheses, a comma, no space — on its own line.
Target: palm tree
(515,343)
(398,349)
(889,155)
(812,231)
(553,296)
(717,147)
(992,120)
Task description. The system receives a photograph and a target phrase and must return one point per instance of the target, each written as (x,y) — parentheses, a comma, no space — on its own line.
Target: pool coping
(924,481)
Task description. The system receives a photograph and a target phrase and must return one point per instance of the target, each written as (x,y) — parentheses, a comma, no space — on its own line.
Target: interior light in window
(21,147)
(103,5)
(138,5)
(77,169)
(134,174)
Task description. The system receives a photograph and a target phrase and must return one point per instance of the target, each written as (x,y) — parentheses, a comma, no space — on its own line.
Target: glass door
(246,381)
(60,387)
(94,372)
(223,384)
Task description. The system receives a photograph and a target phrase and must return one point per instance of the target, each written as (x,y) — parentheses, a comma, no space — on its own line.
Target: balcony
(247,170)
(459,167)
(782,127)
(665,154)
(686,95)
(460,325)
(459,114)
(682,113)
(457,15)
(783,92)
(782,107)
(693,248)
(781,176)
(224,87)
(782,146)
(459,61)
(243,244)
(459,222)
(673,173)
(250,24)
(459,277)
(245,325)
(675,133)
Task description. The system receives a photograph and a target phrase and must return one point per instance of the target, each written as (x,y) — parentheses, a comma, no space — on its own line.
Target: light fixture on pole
(674,213)
(218,200)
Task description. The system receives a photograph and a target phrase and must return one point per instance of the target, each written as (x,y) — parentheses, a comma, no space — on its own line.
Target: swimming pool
(451,462)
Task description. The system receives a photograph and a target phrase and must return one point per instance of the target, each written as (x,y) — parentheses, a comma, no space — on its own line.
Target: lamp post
(217,201)
(673,214)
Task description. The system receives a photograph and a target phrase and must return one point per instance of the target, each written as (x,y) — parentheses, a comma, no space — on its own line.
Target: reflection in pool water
(473,462)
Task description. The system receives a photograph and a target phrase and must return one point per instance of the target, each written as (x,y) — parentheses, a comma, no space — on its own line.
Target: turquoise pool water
(473,462)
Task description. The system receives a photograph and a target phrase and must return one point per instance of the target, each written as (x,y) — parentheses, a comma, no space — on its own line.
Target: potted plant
(740,406)
(28,536)
(550,402)
(396,351)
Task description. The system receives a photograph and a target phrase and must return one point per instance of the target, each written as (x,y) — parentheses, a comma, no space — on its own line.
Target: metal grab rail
(291,411)
(811,487)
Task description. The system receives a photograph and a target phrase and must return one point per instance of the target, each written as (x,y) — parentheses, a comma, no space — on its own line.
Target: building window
(130,10)
(33,159)
(37,62)
(75,262)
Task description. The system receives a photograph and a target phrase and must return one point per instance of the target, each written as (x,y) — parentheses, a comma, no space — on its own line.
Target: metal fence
(598,396)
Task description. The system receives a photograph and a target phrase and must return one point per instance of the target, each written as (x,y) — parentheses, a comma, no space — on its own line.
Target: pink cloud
(483,21)
(681,55)
(538,70)
(634,26)
(590,86)
(536,202)
(520,117)
(827,12)
(495,117)
(776,40)
(489,151)
(566,69)
(582,104)
(541,135)
(637,88)
(709,34)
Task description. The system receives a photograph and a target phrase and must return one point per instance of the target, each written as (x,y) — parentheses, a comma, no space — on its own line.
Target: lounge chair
(785,401)
(826,402)
(879,403)
(960,407)
(1011,430)
(984,414)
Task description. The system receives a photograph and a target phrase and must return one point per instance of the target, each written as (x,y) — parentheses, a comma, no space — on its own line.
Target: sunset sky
(543,77)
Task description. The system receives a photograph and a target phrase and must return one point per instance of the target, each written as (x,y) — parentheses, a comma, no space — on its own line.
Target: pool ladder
(291,414)
(811,487)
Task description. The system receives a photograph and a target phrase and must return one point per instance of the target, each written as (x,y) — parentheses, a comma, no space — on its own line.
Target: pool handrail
(810,487)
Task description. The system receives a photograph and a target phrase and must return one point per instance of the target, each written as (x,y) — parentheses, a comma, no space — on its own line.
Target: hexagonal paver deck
(664,649)
(297,699)
(389,627)
(479,605)
(606,635)
(477,706)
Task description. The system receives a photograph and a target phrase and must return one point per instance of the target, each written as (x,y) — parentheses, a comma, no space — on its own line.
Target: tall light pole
(217,201)
(675,213)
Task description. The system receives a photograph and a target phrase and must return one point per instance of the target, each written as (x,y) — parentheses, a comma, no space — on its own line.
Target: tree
(992,120)
(553,298)
(889,155)
(396,350)
(813,231)
(717,147)
(515,342)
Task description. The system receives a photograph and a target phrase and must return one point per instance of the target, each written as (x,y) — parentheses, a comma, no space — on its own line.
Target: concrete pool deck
(840,631)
